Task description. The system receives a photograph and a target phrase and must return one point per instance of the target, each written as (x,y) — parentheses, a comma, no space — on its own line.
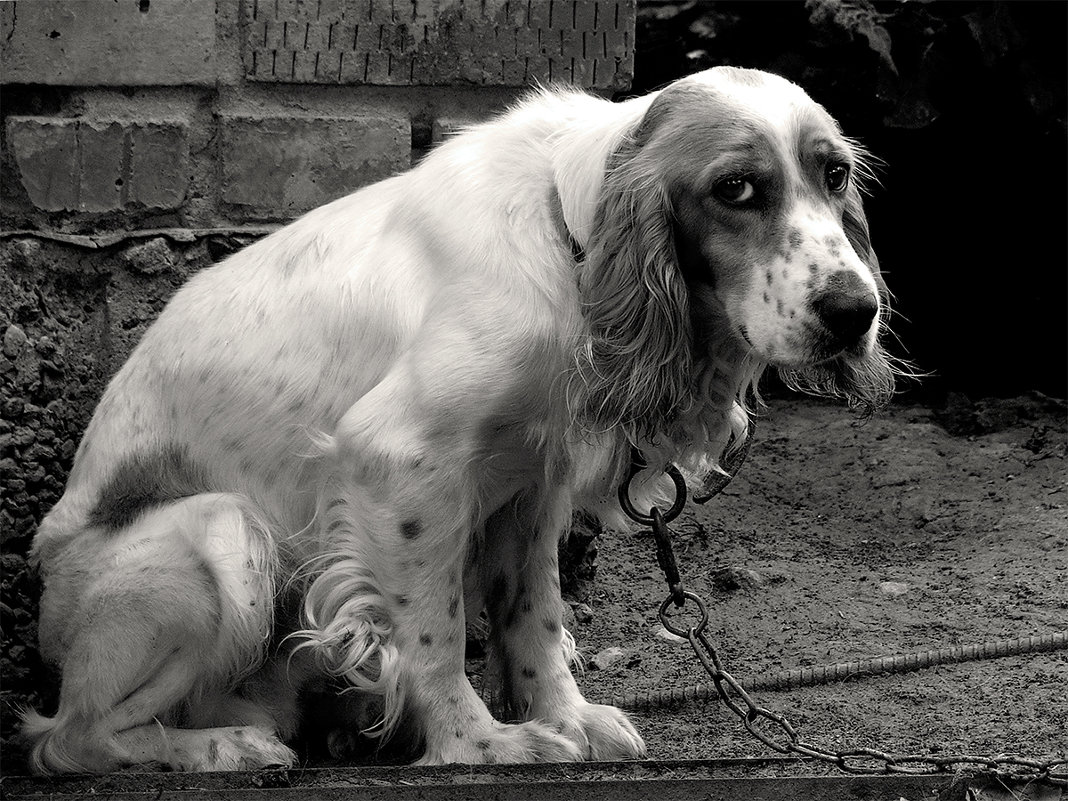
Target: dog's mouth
(815,348)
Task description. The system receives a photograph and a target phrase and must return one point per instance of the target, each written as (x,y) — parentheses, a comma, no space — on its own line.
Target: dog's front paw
(604,733)
(504,743)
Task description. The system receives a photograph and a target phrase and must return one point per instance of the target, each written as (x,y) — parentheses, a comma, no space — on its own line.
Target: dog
(336,446)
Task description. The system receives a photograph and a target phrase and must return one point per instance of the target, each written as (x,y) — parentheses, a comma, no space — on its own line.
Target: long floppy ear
(637,360)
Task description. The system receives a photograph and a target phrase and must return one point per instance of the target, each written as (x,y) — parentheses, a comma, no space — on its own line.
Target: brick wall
(126,114)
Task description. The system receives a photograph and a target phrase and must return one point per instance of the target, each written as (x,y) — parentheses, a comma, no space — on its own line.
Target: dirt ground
(846,540)
(911,531)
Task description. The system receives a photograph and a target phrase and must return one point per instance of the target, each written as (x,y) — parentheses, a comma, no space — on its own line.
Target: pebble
(733,578)
(606,658)
(149,257)
(14,340)
(663,634)
(893,588)
(583,612)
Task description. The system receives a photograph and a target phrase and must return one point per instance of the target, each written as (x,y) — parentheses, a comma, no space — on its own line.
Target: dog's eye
(837,177)
(735,190)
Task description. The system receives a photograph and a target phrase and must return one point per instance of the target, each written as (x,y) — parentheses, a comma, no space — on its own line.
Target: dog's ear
(636,362)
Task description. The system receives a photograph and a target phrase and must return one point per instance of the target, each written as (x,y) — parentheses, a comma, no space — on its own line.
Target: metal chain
(758,720)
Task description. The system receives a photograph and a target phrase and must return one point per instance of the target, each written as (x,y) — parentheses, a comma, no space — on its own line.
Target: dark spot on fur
(813,268)
(402,600)
(778,307)
(426,639)
(334,526)
(530,673)
(767,298)
(769,276)
(551,625)
(411,529)
(335,503)
(213,750)
(459,734)
(145,481)
(454,605)
(794,238)
(483,745)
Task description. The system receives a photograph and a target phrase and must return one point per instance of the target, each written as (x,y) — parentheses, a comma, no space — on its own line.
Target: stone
(146,43)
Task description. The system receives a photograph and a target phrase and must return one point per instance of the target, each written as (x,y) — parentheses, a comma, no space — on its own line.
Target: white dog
(341,437)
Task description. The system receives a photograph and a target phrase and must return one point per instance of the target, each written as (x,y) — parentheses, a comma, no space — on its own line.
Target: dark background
(965,104)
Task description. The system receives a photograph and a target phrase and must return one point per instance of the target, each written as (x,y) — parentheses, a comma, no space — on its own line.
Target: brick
(46,154)
(276,167)
(94,43)
(89,165)
(100,154)
(158,176)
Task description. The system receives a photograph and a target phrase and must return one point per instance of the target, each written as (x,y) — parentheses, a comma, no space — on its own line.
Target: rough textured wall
(68,317)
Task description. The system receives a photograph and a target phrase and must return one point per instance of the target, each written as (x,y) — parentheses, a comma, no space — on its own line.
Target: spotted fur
(334,448)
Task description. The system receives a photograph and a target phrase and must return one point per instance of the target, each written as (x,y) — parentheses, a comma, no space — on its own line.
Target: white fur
(404,393)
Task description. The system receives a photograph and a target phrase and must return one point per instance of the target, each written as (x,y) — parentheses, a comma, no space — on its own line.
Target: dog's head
(729,236)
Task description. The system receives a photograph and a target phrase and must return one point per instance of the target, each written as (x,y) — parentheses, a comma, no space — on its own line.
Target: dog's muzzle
(846,307)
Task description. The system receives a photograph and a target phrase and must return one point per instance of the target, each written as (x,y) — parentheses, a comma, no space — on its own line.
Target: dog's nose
(846,306)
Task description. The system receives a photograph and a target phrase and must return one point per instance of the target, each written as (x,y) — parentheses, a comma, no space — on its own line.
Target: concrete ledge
(682,780)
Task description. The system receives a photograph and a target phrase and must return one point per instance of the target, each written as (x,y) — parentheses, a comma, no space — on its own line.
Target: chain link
(778,734)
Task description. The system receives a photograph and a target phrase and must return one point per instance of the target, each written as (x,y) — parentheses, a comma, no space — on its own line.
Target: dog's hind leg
(149,623)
